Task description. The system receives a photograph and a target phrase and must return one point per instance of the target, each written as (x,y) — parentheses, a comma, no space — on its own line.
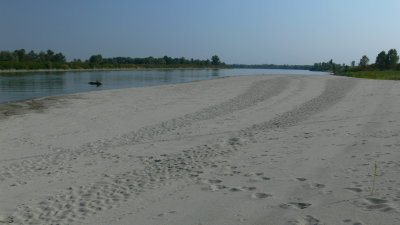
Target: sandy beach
(259,150)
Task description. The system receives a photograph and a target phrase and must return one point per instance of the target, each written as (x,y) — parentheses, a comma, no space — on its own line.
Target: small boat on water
(97,83)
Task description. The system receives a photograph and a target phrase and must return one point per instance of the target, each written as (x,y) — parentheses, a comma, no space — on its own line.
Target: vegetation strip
(386,67)
(21,60)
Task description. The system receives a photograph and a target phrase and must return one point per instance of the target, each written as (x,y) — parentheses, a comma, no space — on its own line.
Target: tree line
(383,61)
(166,60)
(22,56)
(21,59)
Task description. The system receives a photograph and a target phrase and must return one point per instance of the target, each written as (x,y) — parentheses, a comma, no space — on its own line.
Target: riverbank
(110,69)
(262,149)
(375,74)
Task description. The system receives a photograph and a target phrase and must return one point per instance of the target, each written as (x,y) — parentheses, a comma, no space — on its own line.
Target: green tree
(182,60)
(381,59)
(168,60)
(19,55)
(215,60)
(42,56)
(391,59)
(49,55)
(32,56)
(59,57)
(331,65)
(96,59)
(6,56)
(364,61)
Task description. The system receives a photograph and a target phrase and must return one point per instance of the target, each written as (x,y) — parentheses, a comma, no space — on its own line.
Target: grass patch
(375,74)
(374,175)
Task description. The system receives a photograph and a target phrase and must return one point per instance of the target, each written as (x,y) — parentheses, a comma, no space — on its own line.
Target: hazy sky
(251,31)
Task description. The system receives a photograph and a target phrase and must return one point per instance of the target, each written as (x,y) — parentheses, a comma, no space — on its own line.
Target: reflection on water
(14,87)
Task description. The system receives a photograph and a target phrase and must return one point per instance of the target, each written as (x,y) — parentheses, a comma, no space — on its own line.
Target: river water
(22,86)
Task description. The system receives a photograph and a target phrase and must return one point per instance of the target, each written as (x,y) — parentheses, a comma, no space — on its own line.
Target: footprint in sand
(235,141)
(249,188)
(235,189)
(296,205)
(257,177)
(358,190)
(307,220)
(216,187)
(301,179)
(378,204)
(313,186)
(214,181)
(349,221)
(210,181)
(166,213)
(260,195)
(6,219)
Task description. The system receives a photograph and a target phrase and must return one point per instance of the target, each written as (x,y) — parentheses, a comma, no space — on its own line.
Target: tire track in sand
(58,161)
(75,204)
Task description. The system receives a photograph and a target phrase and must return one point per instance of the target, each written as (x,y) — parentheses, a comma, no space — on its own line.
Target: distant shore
(105,69)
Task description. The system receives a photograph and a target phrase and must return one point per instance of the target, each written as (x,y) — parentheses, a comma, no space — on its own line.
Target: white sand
(273,149)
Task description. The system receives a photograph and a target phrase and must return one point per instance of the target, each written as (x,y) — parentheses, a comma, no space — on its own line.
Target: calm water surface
(15,87)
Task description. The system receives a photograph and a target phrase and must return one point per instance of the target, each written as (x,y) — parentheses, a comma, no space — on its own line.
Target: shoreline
(129,69)
(38,104)
(276,149)
(225,74)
